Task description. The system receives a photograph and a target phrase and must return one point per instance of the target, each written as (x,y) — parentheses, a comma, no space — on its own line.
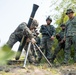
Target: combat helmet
(62,25)
(48,18)
(69,11)
(34,24)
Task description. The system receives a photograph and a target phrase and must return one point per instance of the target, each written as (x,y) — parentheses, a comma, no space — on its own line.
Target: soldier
(61,42)
(38,40)
(21,30)
(34,51)
(70,33)
(48,33)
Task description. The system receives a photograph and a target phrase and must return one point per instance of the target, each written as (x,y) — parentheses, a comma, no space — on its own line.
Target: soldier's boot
(50,60)
(66,58)
(31,59)
(74,58)
(65,62)
(53,58)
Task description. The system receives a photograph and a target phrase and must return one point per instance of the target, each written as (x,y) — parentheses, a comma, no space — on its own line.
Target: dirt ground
(42,69)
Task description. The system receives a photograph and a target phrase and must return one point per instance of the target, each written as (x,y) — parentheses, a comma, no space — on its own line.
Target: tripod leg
(28,49)
(43,55)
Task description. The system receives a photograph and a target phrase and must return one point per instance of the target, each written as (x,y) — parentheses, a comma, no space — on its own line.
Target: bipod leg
(43,55)
(28,49)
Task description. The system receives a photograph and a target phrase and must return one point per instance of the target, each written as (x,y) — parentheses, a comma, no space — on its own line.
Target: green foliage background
(5,54)
(60,18)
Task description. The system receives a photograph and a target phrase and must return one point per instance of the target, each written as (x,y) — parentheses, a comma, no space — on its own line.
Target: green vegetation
(5,54)
(60,17)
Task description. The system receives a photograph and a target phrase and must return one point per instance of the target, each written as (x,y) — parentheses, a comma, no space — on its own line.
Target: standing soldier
(70,36)
(48,33)
(61,42)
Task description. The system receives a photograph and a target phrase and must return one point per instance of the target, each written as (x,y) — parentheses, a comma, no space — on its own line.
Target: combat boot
(64,63)
(52,59)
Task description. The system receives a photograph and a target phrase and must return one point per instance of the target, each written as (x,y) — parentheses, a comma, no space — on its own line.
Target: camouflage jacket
(71,27)
(60,35)
(47,30)
(21,30)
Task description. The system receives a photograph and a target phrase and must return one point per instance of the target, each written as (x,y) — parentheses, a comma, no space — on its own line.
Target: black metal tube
(23,41)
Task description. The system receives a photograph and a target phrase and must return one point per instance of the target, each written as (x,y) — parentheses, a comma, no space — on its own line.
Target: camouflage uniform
(70,37)
(18,34)
(34,50)
(61,42)
(46,41)
(38,40)
(21,30)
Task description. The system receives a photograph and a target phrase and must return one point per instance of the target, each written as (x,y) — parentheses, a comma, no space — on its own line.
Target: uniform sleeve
(66,29)
(58,35)
(19,29)
(41,29)
(54,31)
(26,31)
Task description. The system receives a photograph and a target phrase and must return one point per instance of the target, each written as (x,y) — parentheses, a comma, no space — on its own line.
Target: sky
(14,12)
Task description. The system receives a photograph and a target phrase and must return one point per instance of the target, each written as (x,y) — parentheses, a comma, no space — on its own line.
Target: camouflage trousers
(13,39)
(46,47)
(59,47)
(69,41)
(31,55)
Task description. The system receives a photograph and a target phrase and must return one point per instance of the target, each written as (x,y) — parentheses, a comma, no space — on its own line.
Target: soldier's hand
(52,37)
(28,40)
(64,38)
(33,40)
(61,41)
(57,35)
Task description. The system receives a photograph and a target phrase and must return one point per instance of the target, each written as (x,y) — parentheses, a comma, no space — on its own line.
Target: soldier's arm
(54,31)
(29,34)
(57,36)
(65,29)
(20,28)
(41,29)
(26,31)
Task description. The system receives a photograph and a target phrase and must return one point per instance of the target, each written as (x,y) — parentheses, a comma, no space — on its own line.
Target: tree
(63,6)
